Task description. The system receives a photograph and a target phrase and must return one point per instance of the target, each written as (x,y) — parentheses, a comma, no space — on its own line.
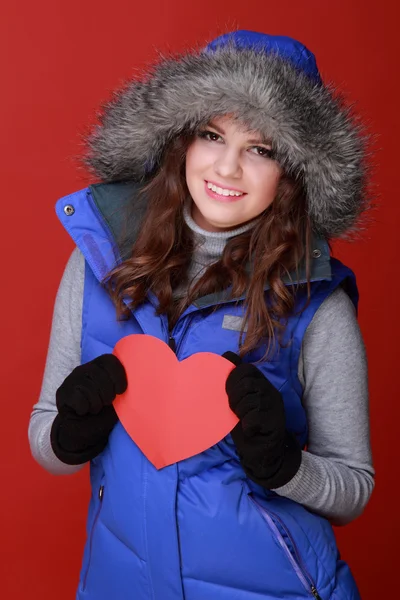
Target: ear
(232,357)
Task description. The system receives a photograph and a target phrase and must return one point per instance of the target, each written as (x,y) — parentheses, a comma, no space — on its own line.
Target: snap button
(316,253)
(69,210)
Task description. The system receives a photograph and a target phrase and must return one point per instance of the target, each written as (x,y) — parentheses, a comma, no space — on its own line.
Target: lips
(224,187)
(219,198)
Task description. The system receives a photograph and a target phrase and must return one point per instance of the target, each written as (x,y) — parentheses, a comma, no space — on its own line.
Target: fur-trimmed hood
(314,134)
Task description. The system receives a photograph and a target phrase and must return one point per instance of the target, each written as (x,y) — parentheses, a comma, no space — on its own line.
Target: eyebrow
(252,141)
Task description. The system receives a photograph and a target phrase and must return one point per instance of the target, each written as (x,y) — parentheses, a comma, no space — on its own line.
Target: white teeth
(221,191)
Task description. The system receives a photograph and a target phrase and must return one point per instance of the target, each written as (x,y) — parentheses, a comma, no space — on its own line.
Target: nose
(227,165)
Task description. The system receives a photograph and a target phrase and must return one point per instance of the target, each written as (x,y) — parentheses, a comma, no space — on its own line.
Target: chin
(225,226)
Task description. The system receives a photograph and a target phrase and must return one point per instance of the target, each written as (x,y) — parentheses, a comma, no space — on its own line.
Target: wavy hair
(160,257)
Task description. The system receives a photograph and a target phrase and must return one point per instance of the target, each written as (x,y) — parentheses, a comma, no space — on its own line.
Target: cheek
(188,163)
(274,178)
(195,157)
(267,185)
(266,191)
(200,158)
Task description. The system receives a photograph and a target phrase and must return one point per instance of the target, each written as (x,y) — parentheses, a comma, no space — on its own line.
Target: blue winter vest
(198,529)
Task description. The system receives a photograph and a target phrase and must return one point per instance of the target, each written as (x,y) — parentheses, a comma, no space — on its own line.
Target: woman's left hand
(269,454)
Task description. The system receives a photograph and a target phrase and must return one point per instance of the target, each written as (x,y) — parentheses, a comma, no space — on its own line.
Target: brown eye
(261,151)
(209,135)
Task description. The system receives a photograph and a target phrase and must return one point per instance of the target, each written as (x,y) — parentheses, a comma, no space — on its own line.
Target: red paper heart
(172,410)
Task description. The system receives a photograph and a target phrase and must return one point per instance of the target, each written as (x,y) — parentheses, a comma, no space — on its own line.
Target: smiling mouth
(224,192)
(228,197)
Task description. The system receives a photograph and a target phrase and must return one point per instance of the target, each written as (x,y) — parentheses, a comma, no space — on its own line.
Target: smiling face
(231,175)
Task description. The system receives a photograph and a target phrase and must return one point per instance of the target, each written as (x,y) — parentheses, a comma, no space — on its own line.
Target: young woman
(224,175)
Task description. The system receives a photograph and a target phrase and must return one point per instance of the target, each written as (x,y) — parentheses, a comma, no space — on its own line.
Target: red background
(59,61)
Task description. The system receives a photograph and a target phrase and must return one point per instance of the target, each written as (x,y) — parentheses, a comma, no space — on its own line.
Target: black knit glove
(269,454)
(86,415)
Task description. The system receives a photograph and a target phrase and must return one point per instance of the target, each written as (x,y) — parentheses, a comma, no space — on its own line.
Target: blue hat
(285,47)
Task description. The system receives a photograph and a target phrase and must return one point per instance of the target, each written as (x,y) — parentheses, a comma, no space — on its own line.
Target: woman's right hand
(86,415)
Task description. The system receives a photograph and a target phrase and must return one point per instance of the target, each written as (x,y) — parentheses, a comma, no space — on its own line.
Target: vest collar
(116,227)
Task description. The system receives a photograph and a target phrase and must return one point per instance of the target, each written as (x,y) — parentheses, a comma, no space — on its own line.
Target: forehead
(232,124)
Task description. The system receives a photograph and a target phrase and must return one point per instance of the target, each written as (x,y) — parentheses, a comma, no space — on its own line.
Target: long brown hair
(161,255)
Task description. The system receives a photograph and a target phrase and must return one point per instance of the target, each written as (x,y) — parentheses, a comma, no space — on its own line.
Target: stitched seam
(145,480)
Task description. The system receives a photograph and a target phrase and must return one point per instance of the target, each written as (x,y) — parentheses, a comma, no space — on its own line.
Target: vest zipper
(100,496)
(172,344)
(178,347)
(294,557)
(171,339)
(178,535)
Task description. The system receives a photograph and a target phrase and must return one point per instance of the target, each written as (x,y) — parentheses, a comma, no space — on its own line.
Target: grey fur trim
(314,134)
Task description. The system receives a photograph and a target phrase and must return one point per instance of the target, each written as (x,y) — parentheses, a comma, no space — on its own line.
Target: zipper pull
(101,493)
(315,593)
(172,344)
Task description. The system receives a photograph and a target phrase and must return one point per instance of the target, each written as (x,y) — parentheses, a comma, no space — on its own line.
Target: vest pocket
(282,535)
(100,497)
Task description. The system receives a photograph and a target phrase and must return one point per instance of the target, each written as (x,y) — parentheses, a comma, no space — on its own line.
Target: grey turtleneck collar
(208,246)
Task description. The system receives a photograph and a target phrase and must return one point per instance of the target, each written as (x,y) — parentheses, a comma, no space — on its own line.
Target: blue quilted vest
(198,529)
